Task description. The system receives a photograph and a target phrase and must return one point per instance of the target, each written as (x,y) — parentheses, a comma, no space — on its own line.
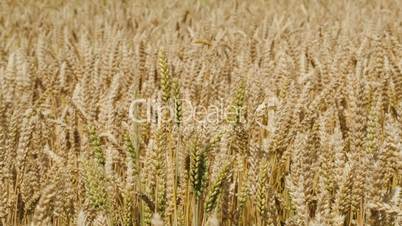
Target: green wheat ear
(177,103)
(132,152)
(198,169)
(165,76)
(95,180)
(216,188)
(95,144)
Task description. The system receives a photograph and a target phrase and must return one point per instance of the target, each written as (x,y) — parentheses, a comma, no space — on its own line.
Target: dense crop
(137,112)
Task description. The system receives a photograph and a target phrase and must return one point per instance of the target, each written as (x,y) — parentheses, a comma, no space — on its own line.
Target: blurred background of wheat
(319,82)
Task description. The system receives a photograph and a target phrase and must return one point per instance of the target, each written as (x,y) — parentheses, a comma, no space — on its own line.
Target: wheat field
(200,112)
